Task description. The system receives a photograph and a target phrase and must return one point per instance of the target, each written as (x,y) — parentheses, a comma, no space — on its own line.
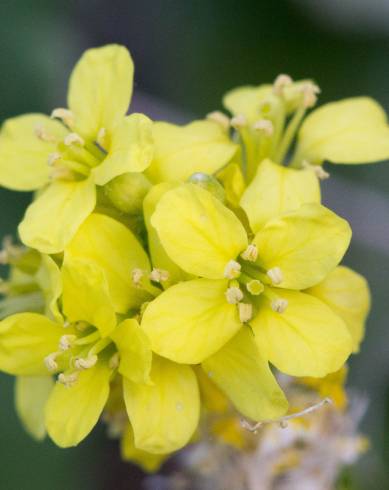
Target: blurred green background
(187,55)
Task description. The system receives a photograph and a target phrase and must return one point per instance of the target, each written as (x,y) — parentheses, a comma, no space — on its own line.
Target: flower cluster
(162,264)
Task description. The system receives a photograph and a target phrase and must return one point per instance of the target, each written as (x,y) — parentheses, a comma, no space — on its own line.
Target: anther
(310,92)
(319,171)
(275,275)
(85,363)
(238,122)
(264,126)
(41,133)
(255,287)
(101,137)
(251,253)
(73,139)
(66,342)
(68,379)
(50,361)
(52,158)
(232,269)
(114,361)
(280,83)
(234,295)
(64,114)
(159,275)
(245,312)
(279,305)
(219,118)
(137,276)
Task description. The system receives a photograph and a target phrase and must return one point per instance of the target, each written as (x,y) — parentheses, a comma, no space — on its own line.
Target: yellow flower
(94,142)
(201,320)
(92,345)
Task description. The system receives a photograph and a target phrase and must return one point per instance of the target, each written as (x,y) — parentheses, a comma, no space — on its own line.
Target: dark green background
(187,53)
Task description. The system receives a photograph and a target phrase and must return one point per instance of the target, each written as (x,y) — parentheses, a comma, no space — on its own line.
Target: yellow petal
(131,149)
(86,295)
(349,131)
(233,182)
(180,151)
(134,351)
(23,155)
(149,462)
(25,340)
(49,279)
(159,257)
(277,189)
(72,412)
(31,394)
(164,415)
(53,218)
(111,246)
(307,339)
(245,377)
(100,89)
(332,386)
(191,320)
(305,244)
(347,294)
(212,399)
(197,231)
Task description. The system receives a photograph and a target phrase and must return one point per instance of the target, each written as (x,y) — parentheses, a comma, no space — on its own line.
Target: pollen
(232,269)
(219,118)
(159,275)
(280,83)
(245,312)
(66,342)
(73,139)
(251,253)
(238,122)
(42,134)
(50,361)
(68,379)
(234,295)
(137,276)
(275,275)
(279,305)
(264,126)
(82,364)
(310,93)
(66,116)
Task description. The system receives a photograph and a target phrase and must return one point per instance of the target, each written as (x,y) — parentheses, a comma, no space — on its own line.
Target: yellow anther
(321,174)
(219,118)
(66,342)
(137,276)
(234,295)
(255,287)
(280,83)
(245,312)
(279,305)
(68,379)
(264,126)
(251,253)
(238,122)
(42,134)
(50,361)
(85,363)
(73,139)
(310,92)
(232,269)
(65,115)
(159,275)
(275,275)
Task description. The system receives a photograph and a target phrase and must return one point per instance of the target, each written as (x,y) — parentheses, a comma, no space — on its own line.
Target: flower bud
(127,191)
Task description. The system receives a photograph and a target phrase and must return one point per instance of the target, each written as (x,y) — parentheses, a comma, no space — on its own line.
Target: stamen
(61,173)
(159,275)
(238,122)
(265,126)
(66,342)
(279,305)
(321,174)
(232,269)
(255,287)
(52,158)
(234,295)
(137,276)
(310,92)
(245,312)
(101,137)
(41,133)
(280,83)
(68,379)
(50,361)
(65,115)
(82,364)
(275,275)
(114,362)
(219,118)
(251,253)
(73,139)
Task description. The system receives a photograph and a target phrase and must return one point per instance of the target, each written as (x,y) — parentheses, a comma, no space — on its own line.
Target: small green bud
(209,183)
(127,192)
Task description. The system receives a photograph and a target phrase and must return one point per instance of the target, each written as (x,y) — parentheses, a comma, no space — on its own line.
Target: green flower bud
(127,192)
